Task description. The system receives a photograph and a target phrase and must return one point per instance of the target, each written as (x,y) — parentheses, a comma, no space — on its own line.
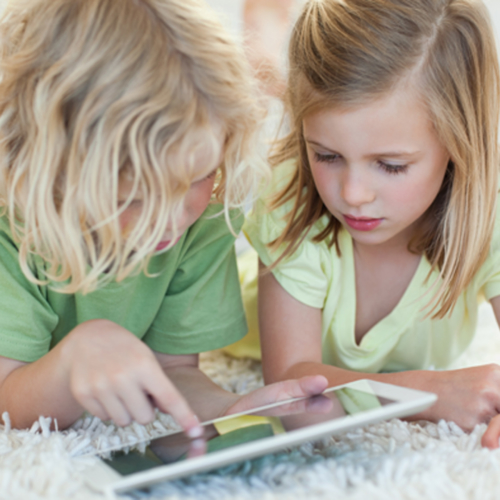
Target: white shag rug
(390,460)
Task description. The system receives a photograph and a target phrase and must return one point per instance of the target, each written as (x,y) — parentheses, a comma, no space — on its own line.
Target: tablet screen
(233,431)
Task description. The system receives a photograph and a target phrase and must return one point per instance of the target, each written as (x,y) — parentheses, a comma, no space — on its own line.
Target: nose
(356,188)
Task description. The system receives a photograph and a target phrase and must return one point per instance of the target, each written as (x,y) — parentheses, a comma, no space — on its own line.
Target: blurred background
(264,25)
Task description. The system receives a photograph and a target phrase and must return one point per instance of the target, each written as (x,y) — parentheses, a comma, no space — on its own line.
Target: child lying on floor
(121,122)
(380,231)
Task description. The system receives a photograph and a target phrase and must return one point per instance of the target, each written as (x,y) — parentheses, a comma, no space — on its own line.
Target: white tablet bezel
(407,402)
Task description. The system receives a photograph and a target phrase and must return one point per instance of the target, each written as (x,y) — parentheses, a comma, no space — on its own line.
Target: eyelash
(211,175)
(132,204)
(393,169)
(387,167)
(325,158)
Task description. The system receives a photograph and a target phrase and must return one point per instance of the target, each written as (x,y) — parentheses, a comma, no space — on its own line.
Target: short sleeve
(492,287)
(304,274)
(490,271)
(26,318)
(202,309)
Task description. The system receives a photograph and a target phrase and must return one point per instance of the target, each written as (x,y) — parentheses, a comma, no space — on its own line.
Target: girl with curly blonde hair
(126,137)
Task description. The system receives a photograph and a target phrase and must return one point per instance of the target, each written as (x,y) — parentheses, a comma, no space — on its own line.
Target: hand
(468,397)
(280,391)
(491,436)
(113,375)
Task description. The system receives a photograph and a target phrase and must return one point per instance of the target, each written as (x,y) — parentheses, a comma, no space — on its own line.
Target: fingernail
(195,432)
(198,443)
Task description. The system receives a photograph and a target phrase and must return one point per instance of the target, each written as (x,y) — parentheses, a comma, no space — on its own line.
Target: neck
(391,249)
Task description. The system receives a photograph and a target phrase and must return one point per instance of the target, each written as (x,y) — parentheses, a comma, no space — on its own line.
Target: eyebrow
(392,154)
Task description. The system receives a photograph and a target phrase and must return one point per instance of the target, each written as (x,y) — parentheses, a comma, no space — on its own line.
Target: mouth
(362,223)
(164,244)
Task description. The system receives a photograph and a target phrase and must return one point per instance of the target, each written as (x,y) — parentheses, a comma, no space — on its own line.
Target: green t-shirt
(193,305)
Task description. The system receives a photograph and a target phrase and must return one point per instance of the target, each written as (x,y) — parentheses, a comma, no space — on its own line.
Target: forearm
(39,389)
(205,397)
(415,379)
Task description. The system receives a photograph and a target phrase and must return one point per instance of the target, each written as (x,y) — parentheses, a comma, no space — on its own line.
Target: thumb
(280,391)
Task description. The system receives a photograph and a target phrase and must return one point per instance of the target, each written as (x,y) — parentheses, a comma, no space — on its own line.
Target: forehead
(399,118)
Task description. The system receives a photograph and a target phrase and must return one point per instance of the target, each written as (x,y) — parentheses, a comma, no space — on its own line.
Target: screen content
(330,405)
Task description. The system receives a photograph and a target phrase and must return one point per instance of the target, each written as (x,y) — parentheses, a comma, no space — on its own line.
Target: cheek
(326,183)
(320,175)
(127,220)
(198,198)
(416,195)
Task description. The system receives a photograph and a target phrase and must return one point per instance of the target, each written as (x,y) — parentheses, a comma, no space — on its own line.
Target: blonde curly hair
(93,89)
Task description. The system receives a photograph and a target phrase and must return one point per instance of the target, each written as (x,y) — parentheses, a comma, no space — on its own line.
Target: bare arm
(210,401)
(29,390)
(291,348)
(491,437)
(105,369)
(100,367)
(207,399)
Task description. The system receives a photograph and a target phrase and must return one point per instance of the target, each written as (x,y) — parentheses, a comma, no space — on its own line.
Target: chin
(369,238)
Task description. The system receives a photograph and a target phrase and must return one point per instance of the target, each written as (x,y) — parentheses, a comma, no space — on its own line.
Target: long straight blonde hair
(349,52)
(93,89)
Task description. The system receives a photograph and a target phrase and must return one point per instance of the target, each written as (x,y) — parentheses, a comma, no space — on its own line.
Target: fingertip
(192,427)
(195,432)
(323,380)
(491,436)
(316,383)
(486,443)
(122,421)
(490,442)
(146,418)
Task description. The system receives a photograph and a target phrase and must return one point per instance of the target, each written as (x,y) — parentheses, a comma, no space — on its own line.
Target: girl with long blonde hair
(380,232)
(126,139)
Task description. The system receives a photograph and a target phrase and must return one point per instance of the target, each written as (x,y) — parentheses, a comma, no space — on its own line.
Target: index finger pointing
(491,436)
(169,400)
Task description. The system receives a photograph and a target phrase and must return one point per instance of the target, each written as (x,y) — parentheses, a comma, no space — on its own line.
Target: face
(195,202)
(377,167)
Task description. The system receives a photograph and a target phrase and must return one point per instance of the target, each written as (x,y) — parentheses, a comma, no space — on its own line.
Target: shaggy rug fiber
(390,460)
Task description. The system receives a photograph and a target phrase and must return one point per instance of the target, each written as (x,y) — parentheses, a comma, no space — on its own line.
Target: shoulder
(495,240)
(488,275)
(5,231)
(212,235)
(214,221)
(9,248)
(10,266)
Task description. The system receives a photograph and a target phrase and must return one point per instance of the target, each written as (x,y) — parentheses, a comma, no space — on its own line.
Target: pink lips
(362,223)
(164,244)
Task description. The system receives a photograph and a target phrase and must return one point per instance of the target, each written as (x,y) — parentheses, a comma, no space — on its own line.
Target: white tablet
(263,430)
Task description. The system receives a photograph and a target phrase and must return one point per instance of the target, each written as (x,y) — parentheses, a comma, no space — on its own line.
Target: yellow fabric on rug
(249,345)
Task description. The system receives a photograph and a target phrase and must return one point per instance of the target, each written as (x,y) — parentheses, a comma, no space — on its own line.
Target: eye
(326,158)
(211,175)
(393,168)
(132,204)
